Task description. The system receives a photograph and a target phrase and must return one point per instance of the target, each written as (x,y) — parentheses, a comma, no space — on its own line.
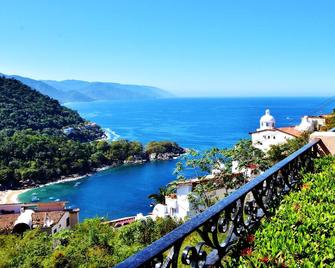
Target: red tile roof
(291,131)
(7,220)
(39,217)
(288,130)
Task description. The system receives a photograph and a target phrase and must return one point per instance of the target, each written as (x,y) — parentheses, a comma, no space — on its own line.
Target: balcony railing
(223,224)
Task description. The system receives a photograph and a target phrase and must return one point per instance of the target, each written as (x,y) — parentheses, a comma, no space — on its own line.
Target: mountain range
(78,90)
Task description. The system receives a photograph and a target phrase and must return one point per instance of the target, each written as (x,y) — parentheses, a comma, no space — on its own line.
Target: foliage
(302,233)
(278,152)
(219,162)
(245,154)
(40,140)
(330,121)
(162,147)
(22,107)
(90,244)
(201,196)
(159,198)
(30,157)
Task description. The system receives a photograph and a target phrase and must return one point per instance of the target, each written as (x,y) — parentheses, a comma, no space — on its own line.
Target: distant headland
(84,91)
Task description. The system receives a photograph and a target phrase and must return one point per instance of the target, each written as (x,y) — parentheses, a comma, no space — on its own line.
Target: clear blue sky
(192,48)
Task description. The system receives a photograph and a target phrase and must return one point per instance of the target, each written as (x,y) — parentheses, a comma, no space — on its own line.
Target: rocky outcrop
(164,156)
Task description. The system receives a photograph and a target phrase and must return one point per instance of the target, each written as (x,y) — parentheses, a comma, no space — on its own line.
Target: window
(67,221)
(55,231)
(274,137)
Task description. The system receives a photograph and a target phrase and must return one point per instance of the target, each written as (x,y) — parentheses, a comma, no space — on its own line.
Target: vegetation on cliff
(30,158)
(162,150)
(42,141)
(22,107)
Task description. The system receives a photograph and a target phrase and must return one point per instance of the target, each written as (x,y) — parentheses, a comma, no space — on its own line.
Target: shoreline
(12,196)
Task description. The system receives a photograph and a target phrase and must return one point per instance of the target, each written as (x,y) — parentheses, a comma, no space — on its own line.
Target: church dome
(267,121)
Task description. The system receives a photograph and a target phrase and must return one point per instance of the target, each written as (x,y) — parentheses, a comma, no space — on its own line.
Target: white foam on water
(111,134)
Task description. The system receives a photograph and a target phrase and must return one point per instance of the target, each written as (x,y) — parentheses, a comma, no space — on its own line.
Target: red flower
(264,259)
(250,238)
(246,252)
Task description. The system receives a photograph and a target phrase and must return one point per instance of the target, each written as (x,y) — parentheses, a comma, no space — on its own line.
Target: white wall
(317,122)
(182,200)
(264,139)
(61,224)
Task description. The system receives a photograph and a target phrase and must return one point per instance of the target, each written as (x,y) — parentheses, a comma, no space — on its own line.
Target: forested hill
(22,107)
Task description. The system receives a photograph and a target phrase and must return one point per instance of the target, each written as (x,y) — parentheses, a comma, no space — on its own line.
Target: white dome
(267,120)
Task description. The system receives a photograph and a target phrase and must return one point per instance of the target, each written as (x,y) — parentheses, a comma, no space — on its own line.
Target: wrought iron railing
(221,225)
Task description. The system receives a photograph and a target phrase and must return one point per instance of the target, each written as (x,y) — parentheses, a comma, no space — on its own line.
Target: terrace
(224,224)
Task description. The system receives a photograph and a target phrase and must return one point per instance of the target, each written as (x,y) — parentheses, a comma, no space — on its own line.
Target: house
(51,217)
(178,204)
(268,134)
(317,121)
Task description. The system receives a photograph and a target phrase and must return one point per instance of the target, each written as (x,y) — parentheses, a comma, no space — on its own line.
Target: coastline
(12,196)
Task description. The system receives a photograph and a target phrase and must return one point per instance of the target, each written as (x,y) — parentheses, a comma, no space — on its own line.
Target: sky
(189,47)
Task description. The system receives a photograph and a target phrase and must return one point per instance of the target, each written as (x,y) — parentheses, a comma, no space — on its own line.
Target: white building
(51,217)
(268,134)
(177,204)
(312,123)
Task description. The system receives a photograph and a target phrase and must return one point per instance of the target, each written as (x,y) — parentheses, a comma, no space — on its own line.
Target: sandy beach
(11,196)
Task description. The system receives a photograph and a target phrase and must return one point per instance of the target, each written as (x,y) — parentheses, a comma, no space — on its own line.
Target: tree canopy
(22,107)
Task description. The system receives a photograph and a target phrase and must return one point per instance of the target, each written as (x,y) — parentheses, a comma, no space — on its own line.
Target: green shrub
(90,244)
(302,233)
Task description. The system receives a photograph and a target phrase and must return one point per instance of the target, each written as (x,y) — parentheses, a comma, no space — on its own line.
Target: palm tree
(159,198)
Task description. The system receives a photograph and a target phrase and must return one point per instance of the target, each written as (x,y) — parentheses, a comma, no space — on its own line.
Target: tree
(159,198)
(218,163)
(246,155)
(278,152)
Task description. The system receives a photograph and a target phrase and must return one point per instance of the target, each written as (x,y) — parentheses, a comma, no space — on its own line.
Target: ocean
(198,123)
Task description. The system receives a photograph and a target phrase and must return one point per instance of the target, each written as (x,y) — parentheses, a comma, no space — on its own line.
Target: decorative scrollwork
(194,256)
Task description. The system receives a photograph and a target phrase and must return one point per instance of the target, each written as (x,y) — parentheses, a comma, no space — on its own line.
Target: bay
(198,123)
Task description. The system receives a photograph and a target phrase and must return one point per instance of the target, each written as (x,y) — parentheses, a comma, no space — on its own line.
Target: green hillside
(22,107)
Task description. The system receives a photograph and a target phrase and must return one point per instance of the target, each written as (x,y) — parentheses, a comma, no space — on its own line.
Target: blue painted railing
(229,219)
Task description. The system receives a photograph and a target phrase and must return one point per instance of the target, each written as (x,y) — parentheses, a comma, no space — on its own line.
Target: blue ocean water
(197,123)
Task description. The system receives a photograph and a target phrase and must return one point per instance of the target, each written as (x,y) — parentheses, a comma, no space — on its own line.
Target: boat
(35,199)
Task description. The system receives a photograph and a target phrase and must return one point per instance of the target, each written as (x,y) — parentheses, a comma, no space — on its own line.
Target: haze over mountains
(78,90)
